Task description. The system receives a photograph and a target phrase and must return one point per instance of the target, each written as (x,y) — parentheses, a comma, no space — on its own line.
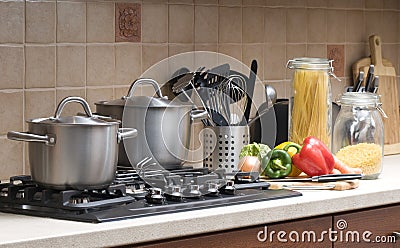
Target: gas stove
(132,197)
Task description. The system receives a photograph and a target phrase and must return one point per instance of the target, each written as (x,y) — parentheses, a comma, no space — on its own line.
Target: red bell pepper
(314,158)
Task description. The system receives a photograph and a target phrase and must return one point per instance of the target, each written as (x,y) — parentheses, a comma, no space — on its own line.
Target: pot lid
(88,119)
(130,100)
(77,120)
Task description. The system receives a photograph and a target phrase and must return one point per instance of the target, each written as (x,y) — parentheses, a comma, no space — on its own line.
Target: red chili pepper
(314,158)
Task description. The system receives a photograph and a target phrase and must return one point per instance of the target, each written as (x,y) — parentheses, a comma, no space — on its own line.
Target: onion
(249,164)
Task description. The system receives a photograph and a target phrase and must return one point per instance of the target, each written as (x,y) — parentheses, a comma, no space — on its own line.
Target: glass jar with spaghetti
(358,132)
(310,104)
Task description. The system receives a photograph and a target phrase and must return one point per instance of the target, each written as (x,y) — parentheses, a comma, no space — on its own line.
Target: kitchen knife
(321,179)
(374,89)
(370,77)
(360,78)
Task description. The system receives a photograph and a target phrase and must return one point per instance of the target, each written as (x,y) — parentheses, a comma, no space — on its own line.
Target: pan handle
(126,133)
(48,139)
(69,99)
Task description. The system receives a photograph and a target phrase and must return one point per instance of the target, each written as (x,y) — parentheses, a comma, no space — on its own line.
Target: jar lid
(360,99)
(310,63)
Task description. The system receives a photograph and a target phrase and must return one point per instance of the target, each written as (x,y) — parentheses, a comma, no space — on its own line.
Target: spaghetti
(310,114)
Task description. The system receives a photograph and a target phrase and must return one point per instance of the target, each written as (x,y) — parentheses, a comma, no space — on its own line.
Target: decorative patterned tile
(336,52)
(127,22)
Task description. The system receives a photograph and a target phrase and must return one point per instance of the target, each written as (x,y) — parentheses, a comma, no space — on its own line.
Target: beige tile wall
(52,49)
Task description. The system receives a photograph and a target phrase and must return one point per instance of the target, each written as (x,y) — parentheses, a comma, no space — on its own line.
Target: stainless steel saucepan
(78,152)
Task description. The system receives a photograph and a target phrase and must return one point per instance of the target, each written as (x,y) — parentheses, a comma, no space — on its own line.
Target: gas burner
(79,199)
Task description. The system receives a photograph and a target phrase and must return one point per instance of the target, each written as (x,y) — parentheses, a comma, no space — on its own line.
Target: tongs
(320,179)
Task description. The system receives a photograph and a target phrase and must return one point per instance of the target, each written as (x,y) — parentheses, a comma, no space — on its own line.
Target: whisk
(233,90)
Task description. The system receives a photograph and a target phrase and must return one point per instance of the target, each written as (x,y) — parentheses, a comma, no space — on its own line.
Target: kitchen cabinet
(382,221)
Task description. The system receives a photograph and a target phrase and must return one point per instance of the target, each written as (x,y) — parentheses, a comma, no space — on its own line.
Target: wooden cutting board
(338,185)
(388,91)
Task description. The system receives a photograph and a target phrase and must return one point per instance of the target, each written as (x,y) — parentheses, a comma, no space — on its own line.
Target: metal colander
(222,146)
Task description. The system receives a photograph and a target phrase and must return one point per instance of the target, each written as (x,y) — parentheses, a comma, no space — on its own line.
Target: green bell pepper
(277,164)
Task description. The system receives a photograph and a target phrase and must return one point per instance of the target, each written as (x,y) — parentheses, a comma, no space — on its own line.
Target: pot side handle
(198,114)
(126,133)
(48,139)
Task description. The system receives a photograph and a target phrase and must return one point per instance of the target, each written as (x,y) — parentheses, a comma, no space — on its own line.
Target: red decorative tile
(127,22)
(336,52)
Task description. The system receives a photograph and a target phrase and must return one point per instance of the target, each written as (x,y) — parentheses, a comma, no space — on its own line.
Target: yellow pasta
(366,156)
(310,110)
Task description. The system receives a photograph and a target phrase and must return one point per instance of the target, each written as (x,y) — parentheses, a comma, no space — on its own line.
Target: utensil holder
(222,146)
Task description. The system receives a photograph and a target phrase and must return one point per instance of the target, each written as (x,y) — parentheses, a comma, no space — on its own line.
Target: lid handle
(144,81)
(69,99)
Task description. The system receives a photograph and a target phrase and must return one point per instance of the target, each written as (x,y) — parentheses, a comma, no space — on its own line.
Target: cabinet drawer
(247,237)
(370,223)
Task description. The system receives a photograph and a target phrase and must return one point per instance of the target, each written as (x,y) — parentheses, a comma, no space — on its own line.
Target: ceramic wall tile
(275,25)
(390,26)
(317,25)
(206,30)
(254,51)
(100,22)
(155,23)
(12,67)
(274,61)
(336,25)
(128,63)
(11,111)
(11,154)
(98,94)
(316,50)
(181,24)
(71,21)
(230,25)
(128,19)
(12,21)
(71,65)
(100,65)
(40,66)
(40,22)
(253,25)
(39,104)
(336,53)
(355,31)
(296,25)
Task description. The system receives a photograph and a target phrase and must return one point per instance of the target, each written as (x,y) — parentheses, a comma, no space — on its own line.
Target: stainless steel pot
(163,126)
(73,152)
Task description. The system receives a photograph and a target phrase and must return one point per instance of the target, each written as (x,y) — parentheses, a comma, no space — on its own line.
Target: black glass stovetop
(130,197)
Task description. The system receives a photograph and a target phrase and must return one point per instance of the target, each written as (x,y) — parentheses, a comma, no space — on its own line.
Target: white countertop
(26,231)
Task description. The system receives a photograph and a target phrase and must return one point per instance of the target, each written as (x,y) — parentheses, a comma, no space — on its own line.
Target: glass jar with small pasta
(310,104)
(358,133)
